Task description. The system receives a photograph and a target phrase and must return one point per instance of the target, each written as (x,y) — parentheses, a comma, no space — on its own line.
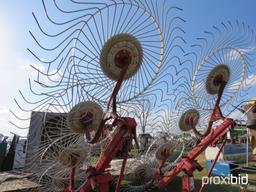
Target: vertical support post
(71,184)
(247,147)
(188,184)
(121,173)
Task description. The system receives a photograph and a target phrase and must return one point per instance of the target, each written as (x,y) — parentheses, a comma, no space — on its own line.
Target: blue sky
(16,20)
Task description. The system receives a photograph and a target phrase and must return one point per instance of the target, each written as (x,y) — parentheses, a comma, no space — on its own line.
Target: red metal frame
(216,113)
(121,142)
(189,164)
(121,173)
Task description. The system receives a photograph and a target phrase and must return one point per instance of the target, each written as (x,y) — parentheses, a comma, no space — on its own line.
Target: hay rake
(103,61)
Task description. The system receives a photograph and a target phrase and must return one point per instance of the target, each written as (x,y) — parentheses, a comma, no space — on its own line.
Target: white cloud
(235,54)
(15,71)
(3,111)
(14,75)
(251,80)
(6,128)
(238,115)
(51,76)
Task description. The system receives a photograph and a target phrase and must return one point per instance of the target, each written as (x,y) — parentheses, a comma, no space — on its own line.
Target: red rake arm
(187,163)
